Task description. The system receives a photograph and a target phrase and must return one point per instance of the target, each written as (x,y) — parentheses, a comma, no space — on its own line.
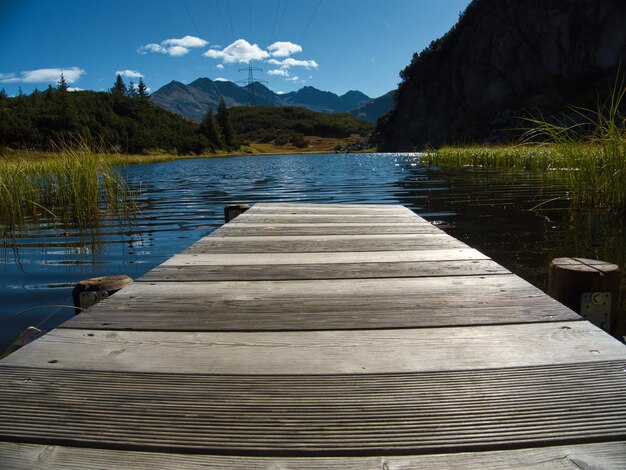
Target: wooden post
(233,210)
(590,288)
(91,291)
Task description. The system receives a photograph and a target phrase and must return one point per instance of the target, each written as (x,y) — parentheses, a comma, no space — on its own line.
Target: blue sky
(334,45)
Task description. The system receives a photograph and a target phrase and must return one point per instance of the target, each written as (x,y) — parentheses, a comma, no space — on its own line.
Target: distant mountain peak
(194,99)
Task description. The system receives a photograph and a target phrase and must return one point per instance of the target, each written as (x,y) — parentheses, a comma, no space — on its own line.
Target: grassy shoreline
(594,172)
(317,145)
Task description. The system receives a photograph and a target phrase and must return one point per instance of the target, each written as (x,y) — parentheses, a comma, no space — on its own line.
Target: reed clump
(76,185)
(523,157)
(587,152)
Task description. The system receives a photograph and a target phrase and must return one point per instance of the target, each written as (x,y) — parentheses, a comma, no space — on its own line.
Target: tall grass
(591,151)
(76,185)
(523,157)
(587,153)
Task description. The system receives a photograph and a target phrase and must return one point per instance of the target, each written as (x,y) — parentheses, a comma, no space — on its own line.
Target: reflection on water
(180,202)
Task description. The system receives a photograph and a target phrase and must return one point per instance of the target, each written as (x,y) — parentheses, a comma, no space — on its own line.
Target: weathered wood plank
(234,230)
(317,415)
(321,352)
(608,455)
(323,211)
(323,304)
(331,243)
(282,272)
(262,218)
(343,208)
(245,259)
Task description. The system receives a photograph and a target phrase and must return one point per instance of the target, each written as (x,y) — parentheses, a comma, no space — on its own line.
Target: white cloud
(74,88)
(280,92)
(8,78)
(281,72)
(240,51)
(187,42)
(283,49)
(290,62)
(219,67)
(129,73)
(52,75)
(177,51)
(152,48)
(221,79)
(173,47)
(293,79)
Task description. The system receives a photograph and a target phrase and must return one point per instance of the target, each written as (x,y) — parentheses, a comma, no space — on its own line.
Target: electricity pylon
(249,82)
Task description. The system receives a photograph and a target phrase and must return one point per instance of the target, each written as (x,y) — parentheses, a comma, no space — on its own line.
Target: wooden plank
(261,218)
(316,415)
(323,304)
(283,206)
(330,210)
(282,272)
(234,230)
(228,259)
(608,455)
(331,243)
(321,352)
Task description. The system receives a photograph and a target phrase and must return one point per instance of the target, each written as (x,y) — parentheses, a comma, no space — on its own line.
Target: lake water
(182,201)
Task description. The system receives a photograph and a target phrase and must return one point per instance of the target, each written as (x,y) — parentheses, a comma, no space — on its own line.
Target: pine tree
(119,87)
(132,90)
(142,89)
(65,109)
(3,94)
(62,84)
(49,93)
(223,119)
(208,128)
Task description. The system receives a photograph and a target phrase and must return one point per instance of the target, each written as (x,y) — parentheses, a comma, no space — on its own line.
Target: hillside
(325,101)
(504,60)
(372,110)
(193,100)
(46,119)
(292,124)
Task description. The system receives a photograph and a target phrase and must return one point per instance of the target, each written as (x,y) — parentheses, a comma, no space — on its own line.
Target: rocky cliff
(503,60)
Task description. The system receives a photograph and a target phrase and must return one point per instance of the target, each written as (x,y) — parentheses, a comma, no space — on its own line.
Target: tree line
(122,119)
(125,120)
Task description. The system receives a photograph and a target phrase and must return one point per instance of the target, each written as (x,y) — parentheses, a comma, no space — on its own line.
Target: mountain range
(194,99)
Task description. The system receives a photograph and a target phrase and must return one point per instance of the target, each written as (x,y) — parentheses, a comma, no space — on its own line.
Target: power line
(219,13)
(251,16)
(274,25)
(310,21)
(191,18)
(280,23)
(230,19)
(249,83)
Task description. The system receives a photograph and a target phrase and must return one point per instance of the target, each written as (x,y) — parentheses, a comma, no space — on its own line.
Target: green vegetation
(589,155)
(283,125)
(76,186)
(122,119)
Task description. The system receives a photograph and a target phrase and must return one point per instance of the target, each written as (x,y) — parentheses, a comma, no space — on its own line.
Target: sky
(333,45)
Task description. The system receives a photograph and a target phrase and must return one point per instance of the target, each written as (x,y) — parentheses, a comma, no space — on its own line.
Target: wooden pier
(319,336)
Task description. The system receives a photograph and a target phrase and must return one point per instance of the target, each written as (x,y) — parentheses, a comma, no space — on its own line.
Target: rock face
(505,60)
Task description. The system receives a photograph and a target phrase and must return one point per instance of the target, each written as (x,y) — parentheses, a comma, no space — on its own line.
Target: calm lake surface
(182,201)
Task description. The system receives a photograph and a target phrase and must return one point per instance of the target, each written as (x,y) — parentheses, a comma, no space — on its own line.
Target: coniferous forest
(123,119)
